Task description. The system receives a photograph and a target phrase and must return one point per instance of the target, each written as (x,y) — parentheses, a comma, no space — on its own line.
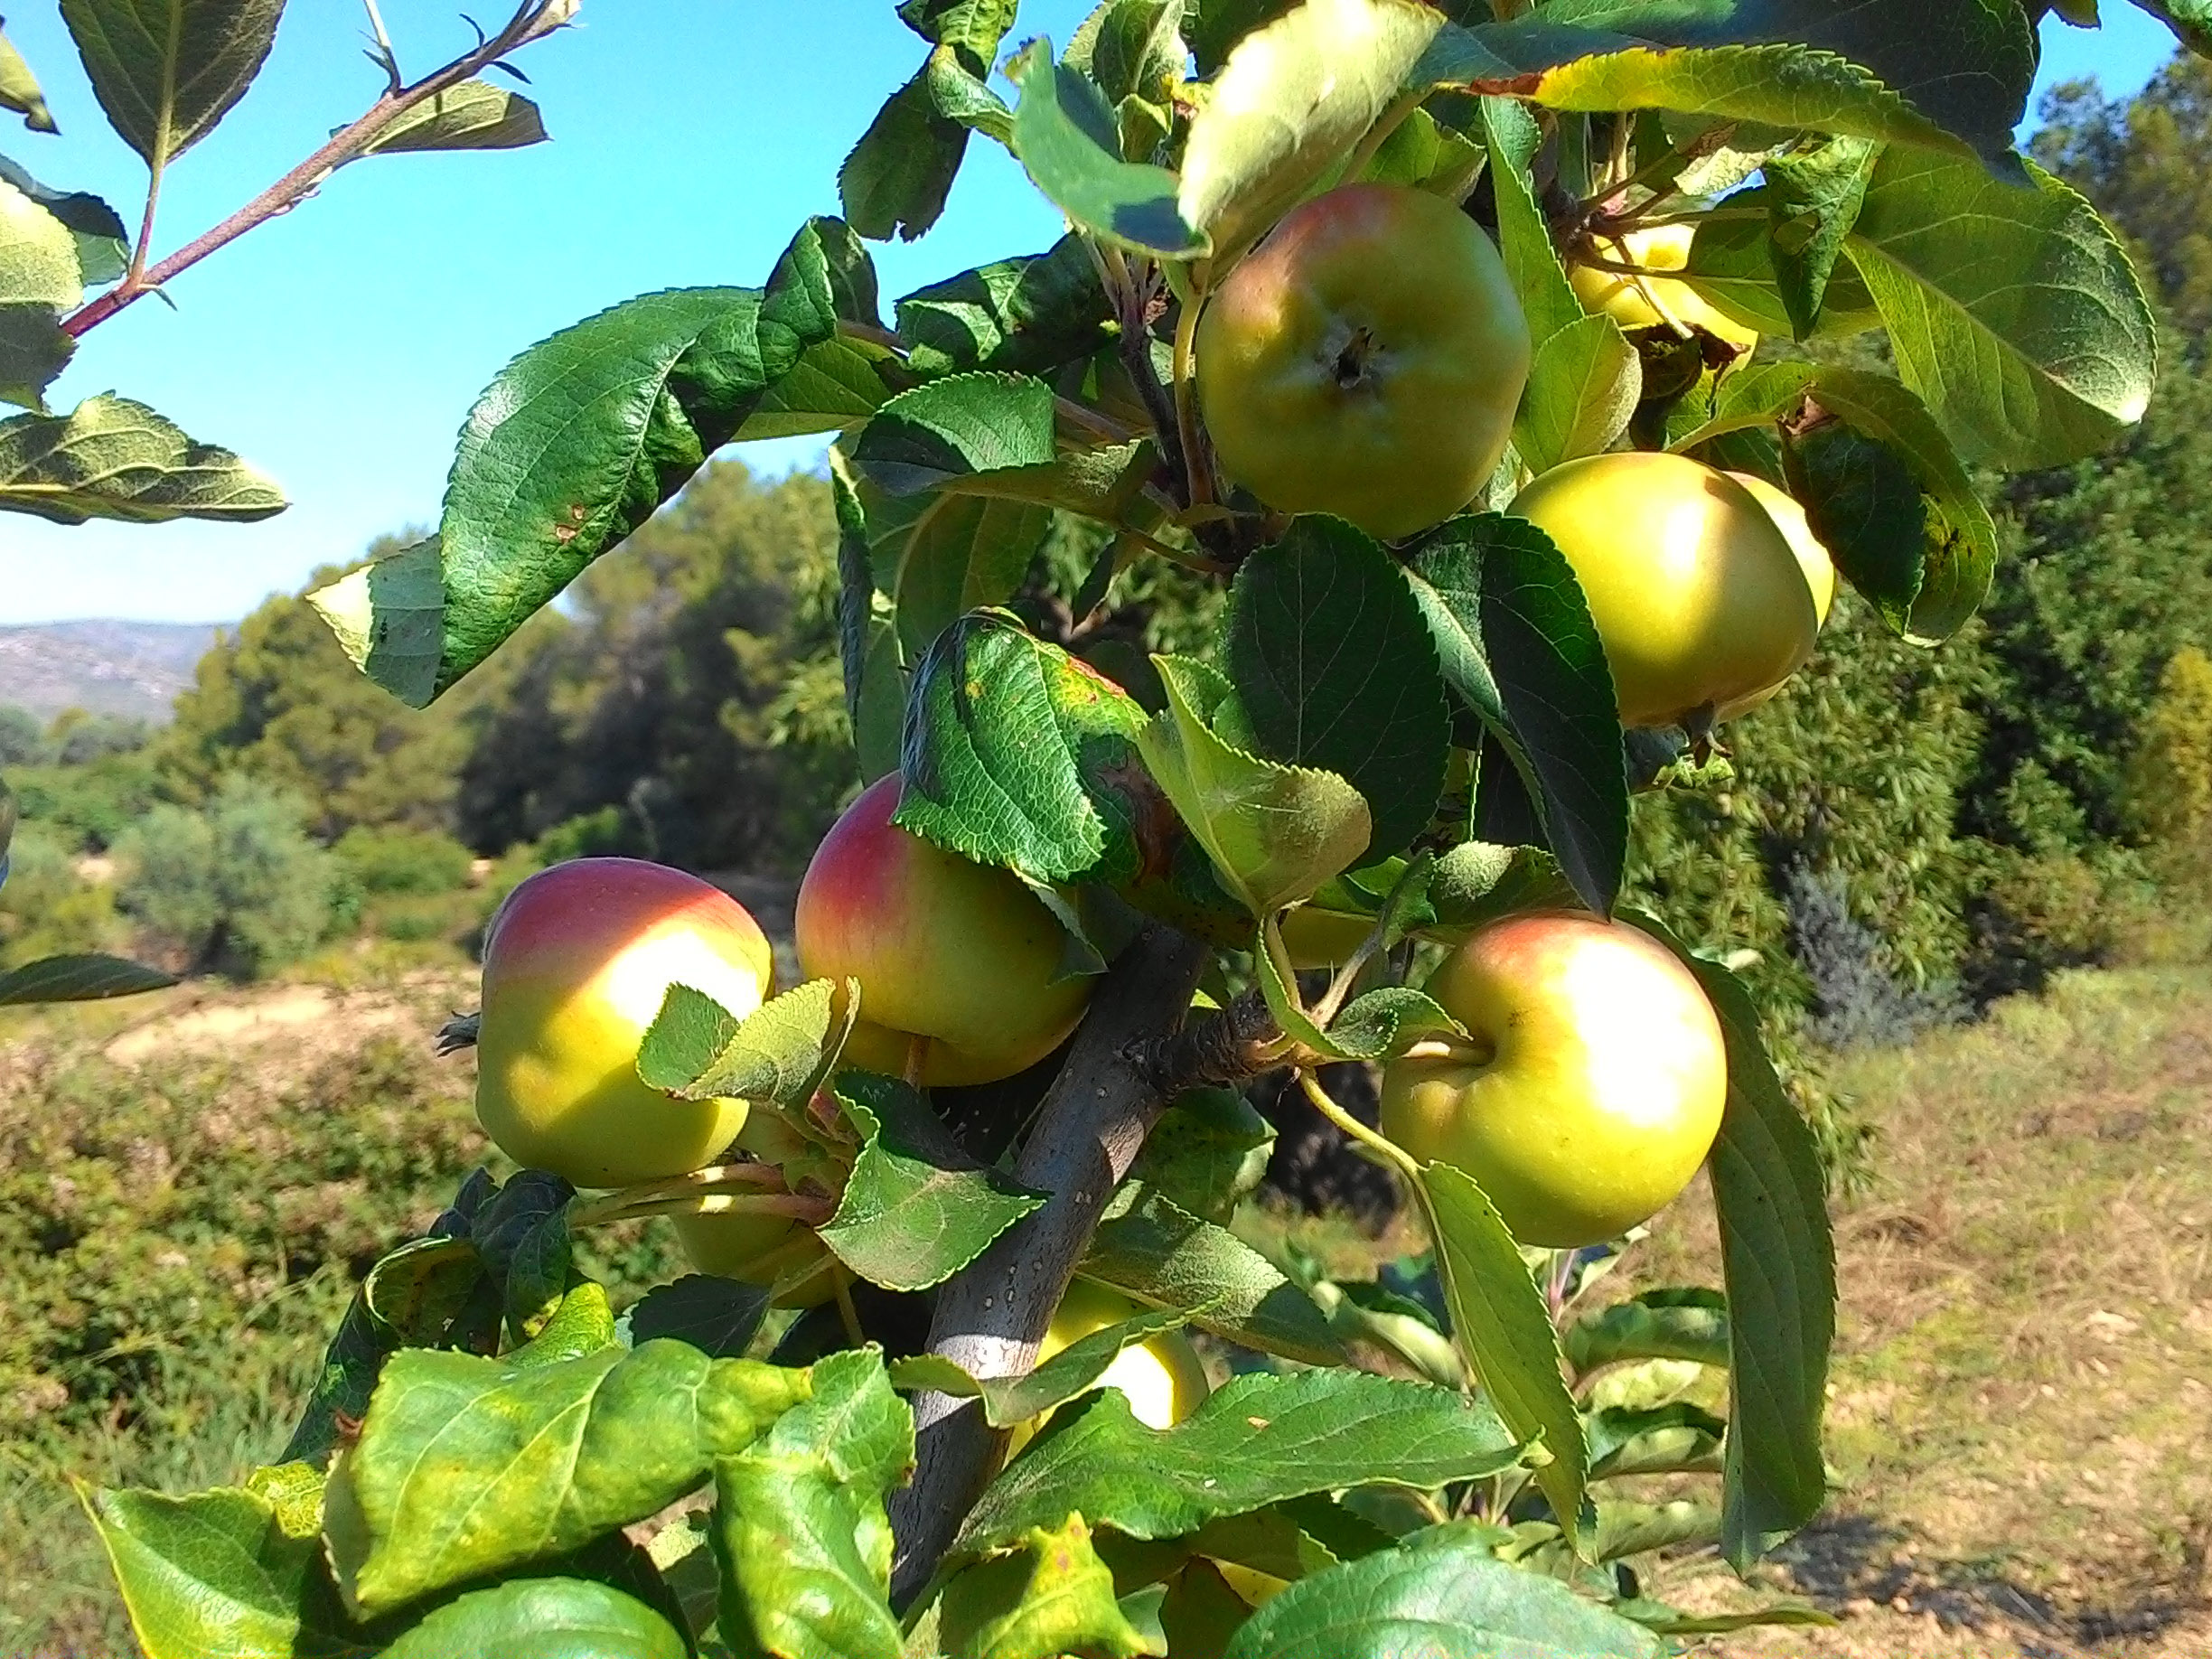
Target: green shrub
(388,860)
(611,831)
(46,908)
(237,887)
(23,737)
(90,806)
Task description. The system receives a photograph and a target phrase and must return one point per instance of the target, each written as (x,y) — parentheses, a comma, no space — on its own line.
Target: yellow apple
(1163,1378)
(1698,597)
(1595,1087)
(1627,300)
(576,962)
(1365,361)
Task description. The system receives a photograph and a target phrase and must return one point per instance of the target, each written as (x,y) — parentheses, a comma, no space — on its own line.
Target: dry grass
(2024,1375)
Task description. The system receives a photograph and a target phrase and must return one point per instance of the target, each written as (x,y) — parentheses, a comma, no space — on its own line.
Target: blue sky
(339,347)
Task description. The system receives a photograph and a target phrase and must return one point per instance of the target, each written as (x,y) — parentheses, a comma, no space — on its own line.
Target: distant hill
(120,668)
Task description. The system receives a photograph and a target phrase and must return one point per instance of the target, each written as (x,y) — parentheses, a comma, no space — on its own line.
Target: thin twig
(533,21)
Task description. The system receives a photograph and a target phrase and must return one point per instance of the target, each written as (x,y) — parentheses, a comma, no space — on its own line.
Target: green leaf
(896,181)
(219,1573)
(1441,1594)
(951,428)
(1070,145)
(1733,265)
(1661,1440)
(1812,200)
(716,1315)
(390,619)
(973,28)
(40,283)
(917,1209)
(964,97)
(166,70)
(585,434)
(1150,1249)
(1679,1325)
(1071,1373)
(1748,397)
(1519,649)
(1011,747)
(1208,1151)
(1865,508)
(1585,377)
(1288,107)
(1131,48)
(2012,310)
(473,115)
(1505,1329)
(697,1051)
(1951,74)
(77,979)
(1477,883)
(1627,1528)
(112,458)
(1274,833)
(799,1529)
(1778,1260)
(526,1618)
(2190,21)
(19,89)
(1260,1440)
(1382,1023)
(1031,314)
(1664,1620)
(1050,1596)
(562,1453)
(103,244)
(1333,669)
(1958,550)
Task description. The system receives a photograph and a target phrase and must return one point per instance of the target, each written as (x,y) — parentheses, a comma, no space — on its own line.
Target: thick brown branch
(533,21)
(991,1316)
(1225,1047)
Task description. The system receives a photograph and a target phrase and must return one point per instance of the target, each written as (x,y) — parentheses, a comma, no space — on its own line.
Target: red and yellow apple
(1365,361)
(1163,1377)
(576,962)
(1629,300)
(1595,1085)
(1698,597)
(956,956)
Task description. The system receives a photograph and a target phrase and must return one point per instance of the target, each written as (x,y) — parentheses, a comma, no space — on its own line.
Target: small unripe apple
(957,954)
(576,962)
(1596,1085)
(1698,597)
(755,1250)
(1627,300)
(1163,1377)
(1365,361)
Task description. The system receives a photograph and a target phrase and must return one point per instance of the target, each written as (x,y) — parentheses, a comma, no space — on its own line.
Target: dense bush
(237,887)
(46,908)
(23,737)
(392,859)
(88,806)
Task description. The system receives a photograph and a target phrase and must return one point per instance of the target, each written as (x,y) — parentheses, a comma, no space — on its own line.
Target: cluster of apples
(956,962)
(1367,361)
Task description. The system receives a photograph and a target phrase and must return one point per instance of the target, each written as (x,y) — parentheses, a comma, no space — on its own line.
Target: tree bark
(992,1315)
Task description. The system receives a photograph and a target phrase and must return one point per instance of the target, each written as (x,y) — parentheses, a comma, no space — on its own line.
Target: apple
(755,1250)
(1595,1086)
(576,962)
(1628,301)
(1163,1377)
(1813,559)
(1365,361)
(1698,597)
(960,956)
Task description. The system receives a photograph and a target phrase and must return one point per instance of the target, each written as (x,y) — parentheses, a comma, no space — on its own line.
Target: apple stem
(1384,1151)
(1199,486)
(842,1280)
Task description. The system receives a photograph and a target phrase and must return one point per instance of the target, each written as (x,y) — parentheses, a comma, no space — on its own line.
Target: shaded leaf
(525,1618)
(895,180)
(103,244)
(718,1317)
(166,70)
(1681,1325)
(1334,668)
(1070,145)
(1150,1249)
(112,458)
(40,283)
(1812,200)
(474,114)
(76,979)
(1050,1596)
(695,1050)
